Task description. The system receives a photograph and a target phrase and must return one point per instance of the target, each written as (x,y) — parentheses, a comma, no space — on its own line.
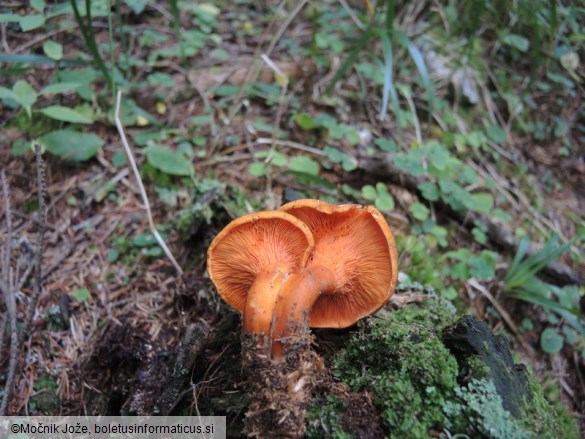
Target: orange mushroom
(251,257)
(352,271)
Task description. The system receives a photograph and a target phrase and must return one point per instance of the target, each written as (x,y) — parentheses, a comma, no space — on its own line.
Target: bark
(193,343)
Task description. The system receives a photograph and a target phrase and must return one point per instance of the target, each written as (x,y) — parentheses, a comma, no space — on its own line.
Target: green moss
(46,397)
(435,313)
(476,368)
(324,418)
(403,362)
(545,420)
(419,385)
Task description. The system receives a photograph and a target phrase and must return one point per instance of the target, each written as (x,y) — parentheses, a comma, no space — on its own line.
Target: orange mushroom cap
(257,252)
(356,245)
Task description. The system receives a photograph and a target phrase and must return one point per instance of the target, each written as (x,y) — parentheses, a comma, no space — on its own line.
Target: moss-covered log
(416,372)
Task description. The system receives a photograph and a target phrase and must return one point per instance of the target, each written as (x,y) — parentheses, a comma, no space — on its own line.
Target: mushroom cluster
(310,262)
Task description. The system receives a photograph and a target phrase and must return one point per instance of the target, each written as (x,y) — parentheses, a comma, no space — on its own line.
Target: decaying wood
(191,346)
(382,166)
(162,381)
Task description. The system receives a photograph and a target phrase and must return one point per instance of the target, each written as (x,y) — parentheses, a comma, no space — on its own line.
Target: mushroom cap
(355,243)
(270,240)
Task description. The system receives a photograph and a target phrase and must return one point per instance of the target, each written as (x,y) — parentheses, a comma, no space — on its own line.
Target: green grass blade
(121,33)
(177,28)
(545,302)
(525,269)
(420,65)
(553,24)
(89,37)
(519,272)
(520,253)
(549,254)
(112,58)
(531,294)
(389,89)
(547,249)
(390,13)
(541,262)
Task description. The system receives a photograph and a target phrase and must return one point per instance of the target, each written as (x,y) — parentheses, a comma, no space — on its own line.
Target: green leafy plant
(523,268)
(520,282)
(169,161)
(66,143)
(379,195)
(126,250)
(419,259)
(328,123)
(71,145)
(24,95)
(389,35)
(81,294)
(480,266)
(347,161)
(450,178)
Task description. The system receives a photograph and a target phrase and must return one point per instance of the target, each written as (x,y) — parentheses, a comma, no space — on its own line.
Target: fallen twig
(42,189)
(505,316)
(9,297)
(132,161)
(290,144)
(352,15)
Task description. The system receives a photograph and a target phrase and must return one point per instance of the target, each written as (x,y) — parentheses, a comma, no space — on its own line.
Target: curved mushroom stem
(259,307)
(295,299)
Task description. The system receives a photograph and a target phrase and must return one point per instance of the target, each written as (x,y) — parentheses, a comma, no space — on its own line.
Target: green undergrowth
(422,383)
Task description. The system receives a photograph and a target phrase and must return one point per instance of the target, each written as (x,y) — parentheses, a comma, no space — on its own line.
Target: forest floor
(113,313)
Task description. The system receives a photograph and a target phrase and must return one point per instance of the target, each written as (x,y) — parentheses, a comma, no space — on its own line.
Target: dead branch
(9,296)
(382,166)
(41,224)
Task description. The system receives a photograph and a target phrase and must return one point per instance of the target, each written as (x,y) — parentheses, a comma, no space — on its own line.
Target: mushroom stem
(259,307)
(295,299)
